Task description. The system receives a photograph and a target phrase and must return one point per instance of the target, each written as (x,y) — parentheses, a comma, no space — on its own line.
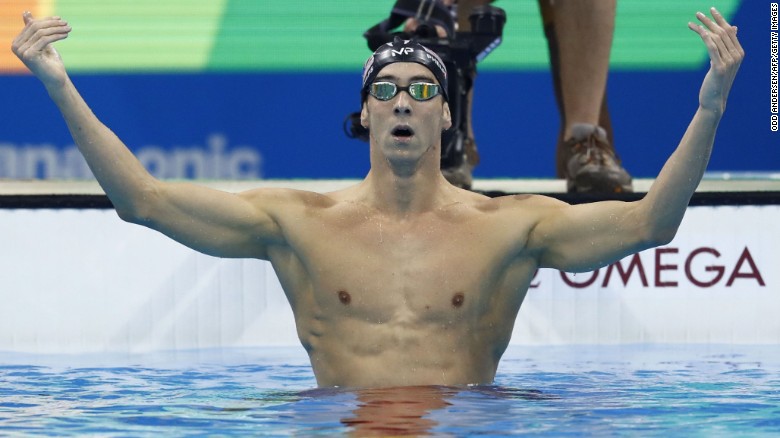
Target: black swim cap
(401,50)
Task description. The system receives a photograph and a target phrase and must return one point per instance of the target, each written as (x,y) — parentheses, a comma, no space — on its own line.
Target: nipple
(457,299)
(344,297)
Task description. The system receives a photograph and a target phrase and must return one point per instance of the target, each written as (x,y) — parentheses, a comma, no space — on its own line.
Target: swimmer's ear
(364,115)
(446,117)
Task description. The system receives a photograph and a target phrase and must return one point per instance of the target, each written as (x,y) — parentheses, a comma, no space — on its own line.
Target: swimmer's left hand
(726,55)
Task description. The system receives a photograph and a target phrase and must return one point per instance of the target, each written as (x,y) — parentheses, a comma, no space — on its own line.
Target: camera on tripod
(460,51)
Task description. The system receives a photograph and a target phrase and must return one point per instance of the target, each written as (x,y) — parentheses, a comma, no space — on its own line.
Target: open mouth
(402,132)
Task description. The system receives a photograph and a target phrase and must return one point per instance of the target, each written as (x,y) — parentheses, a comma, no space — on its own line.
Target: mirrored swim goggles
(420,91)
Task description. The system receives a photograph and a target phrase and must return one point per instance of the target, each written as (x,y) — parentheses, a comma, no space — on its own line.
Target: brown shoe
(590,164)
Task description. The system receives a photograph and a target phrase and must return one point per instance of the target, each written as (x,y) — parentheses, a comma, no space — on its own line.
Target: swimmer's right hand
(33,47)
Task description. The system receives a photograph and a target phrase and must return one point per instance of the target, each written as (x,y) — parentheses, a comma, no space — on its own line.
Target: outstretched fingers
(43,37)
(726,55)
(38,34)
(709,41)
(729,34)
(47,37)
(720,38)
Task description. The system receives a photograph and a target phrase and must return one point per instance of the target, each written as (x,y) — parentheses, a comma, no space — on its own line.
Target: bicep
(577,238)
(214,222)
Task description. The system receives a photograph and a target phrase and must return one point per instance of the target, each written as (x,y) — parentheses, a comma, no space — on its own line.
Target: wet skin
(430,299)
(401,279)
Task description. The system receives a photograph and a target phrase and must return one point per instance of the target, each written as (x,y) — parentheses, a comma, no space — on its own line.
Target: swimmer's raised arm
(585,237)
(207,220)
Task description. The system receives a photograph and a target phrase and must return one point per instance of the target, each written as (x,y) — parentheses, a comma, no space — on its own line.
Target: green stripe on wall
(320,35)
(295,34)
(655,34)
(316,35)
(139,35)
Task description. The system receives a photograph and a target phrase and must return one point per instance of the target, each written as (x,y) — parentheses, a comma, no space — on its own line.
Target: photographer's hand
(411,24)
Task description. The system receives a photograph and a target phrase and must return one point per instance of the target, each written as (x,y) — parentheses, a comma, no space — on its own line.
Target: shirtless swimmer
(402,279)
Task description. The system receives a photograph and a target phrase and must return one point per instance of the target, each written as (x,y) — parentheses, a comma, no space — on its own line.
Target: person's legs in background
(579,36)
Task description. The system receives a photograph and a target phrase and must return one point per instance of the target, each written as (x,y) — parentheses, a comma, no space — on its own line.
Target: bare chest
(404,272)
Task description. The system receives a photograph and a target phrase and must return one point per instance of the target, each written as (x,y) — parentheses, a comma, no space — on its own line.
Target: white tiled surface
(83,280)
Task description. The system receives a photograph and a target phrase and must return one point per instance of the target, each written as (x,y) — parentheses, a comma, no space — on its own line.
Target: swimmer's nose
(403,104)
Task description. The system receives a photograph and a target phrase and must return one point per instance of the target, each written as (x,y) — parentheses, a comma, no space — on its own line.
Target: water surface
(576,390)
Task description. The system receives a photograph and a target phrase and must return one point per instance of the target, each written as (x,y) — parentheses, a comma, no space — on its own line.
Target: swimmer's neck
(418,192)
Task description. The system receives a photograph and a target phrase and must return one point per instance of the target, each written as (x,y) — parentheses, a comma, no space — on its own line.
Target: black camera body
(460,52)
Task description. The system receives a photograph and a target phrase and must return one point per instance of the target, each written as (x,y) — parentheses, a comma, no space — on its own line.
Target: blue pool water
(565,390)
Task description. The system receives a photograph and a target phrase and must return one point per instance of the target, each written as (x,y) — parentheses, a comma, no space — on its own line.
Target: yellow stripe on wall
(45,8)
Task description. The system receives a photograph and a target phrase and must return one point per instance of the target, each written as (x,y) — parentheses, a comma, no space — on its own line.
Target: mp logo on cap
(402,51)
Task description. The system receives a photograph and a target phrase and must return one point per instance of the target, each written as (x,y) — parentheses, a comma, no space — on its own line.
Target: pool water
(562,390)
